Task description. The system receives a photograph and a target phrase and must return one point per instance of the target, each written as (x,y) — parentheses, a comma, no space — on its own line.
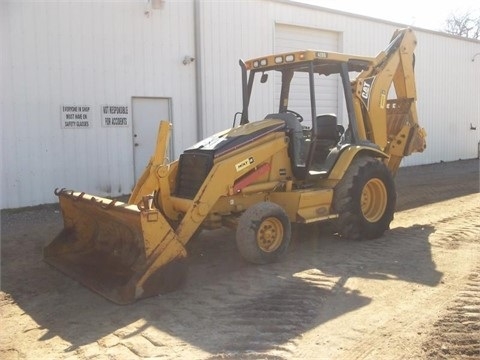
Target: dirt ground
(414,293)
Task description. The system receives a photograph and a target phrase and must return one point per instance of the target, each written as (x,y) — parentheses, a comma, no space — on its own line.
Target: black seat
(325,136)
(326,128)
(295,133)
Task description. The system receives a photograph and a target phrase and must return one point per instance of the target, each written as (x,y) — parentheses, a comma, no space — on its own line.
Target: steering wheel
(297,115)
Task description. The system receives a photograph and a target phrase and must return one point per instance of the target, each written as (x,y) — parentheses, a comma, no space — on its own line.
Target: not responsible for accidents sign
(114,115)
(76,116)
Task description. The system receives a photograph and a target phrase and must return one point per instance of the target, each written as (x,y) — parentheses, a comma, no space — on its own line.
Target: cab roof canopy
(324,63)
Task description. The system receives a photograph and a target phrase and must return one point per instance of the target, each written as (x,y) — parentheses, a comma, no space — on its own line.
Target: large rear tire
(263,233)
(365,199)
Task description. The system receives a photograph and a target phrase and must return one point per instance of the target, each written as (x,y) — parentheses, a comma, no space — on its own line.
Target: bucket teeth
(105,204)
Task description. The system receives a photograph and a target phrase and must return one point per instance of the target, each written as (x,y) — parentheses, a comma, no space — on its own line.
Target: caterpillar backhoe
(257,177)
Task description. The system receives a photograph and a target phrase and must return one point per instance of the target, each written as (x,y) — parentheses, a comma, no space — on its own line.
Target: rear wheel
(365,199)
(263,233)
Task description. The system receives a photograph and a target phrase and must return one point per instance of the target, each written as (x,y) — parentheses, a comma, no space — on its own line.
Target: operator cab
(303,80)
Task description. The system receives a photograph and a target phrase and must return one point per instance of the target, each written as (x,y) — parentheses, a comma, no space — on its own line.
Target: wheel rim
(374,200)
(270,234)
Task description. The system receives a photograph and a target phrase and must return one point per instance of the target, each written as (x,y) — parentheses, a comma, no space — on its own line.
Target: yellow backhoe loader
(256,177)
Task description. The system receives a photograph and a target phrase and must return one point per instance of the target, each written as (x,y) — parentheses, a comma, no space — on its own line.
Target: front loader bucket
(123,252)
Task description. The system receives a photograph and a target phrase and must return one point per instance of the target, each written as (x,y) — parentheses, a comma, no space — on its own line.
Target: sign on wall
(114,115)
(76,116)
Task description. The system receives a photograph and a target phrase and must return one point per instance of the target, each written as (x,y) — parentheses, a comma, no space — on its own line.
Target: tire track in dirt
(391,256)
(270,324)
(271,319)
(263,311)
(457,334)
(260,312)
(451,234)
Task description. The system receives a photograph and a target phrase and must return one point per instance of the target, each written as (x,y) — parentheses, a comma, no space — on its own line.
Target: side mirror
(264,78)
(235,118)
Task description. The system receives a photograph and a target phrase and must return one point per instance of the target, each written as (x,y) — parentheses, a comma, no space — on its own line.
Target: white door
(292,38)
(146,116)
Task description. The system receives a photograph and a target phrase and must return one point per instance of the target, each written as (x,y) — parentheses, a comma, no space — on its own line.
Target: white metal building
(84,84)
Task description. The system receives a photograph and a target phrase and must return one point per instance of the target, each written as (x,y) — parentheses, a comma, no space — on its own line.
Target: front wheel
(365,199)
(263,233)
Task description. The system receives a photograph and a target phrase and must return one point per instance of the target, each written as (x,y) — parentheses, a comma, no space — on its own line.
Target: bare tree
(466,24)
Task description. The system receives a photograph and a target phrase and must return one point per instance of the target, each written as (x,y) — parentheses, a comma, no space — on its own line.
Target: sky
(428,15)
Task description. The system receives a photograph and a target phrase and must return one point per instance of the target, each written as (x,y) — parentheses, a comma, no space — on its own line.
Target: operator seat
(326,130)
(295,133)
(325,135)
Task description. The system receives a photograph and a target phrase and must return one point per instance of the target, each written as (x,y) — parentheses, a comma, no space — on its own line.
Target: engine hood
(233,138)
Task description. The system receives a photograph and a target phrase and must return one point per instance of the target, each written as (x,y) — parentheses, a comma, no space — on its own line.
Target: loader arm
(157,174)
(386,115)
(148,182)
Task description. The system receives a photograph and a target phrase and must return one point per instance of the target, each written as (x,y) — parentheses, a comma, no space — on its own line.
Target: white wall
(448,86)
(229,31)
(86,53)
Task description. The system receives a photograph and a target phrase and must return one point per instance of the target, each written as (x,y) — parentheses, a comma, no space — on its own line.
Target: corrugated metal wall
(86,53)
(95,53)
(229,31)
(448,87)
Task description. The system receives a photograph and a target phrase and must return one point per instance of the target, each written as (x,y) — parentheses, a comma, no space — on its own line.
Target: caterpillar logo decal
(367,86)
(244,164)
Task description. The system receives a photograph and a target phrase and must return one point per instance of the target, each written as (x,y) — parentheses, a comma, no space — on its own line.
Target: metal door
(146,116)
(291,38)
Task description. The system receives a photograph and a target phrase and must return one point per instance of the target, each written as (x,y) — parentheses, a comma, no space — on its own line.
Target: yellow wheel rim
(374,200)
(270,234)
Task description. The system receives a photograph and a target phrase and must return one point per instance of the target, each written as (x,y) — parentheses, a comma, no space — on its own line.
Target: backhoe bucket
(123,252)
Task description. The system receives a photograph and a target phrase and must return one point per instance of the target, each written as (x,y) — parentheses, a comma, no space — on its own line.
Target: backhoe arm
(387,116)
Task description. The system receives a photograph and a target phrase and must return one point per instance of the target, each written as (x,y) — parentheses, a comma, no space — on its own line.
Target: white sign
(76,116)
(114,115)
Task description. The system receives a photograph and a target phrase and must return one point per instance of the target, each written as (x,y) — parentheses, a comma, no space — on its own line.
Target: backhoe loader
(257,177)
